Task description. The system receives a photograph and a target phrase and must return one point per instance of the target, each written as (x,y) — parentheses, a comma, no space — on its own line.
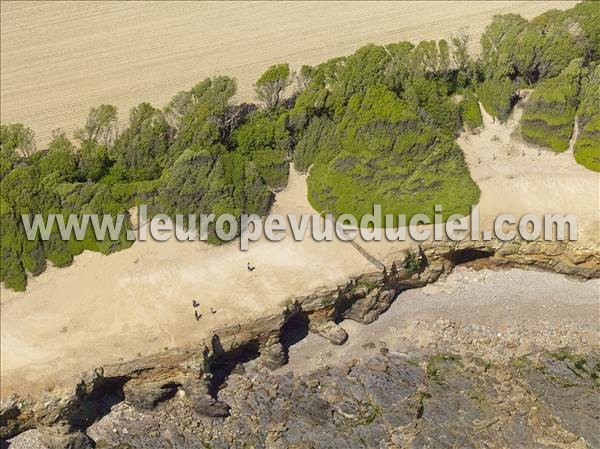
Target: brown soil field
(60,58)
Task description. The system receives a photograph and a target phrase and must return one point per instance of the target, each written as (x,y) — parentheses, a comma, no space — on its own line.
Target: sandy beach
(139,301)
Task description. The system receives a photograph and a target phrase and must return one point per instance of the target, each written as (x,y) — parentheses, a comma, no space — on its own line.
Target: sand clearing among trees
(60,58)
(518,178)
(105,308)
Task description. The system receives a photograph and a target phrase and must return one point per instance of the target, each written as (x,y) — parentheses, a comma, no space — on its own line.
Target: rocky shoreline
(180,398)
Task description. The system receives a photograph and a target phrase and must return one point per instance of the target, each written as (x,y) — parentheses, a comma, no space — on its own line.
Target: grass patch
(434,365)
(587,147)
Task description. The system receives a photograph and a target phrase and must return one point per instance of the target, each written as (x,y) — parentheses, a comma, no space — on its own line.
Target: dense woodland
(378,126)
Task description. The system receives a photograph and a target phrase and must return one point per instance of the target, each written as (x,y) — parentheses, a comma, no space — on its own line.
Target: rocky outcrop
(392,400)
(193,377)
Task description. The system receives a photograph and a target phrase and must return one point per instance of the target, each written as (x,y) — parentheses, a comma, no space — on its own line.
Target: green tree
(100,126)
(497,96)
(366,67)
(303,77)
(499,43)
(59,163)
(18,137)
(399,69)
(8,154)
(202,115)
(549,114)
(317,98)
(460,56)
(271,84)
(386,155)
(12,272)
(425,58)
(215,92)
(141,150)
(434,106)
(319,140)
(94,162)
(444,56)
(265,140)
(587,146)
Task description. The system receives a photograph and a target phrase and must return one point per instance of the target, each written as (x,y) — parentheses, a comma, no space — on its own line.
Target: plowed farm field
(60,58)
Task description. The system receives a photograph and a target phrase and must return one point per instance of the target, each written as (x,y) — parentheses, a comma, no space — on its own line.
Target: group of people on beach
(196,304)
(197,314)
(508,154)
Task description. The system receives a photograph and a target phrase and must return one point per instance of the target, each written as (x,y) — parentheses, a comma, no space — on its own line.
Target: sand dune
(60,58)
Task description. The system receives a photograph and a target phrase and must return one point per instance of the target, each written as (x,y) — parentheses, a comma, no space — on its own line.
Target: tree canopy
(271,84)
(374,127)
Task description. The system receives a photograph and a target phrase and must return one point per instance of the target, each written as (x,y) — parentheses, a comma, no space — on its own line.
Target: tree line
(377,126)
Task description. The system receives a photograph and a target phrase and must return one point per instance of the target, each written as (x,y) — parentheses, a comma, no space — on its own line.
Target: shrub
(497,97)
(470,112)
(549,114)
(587,147)
(388,157)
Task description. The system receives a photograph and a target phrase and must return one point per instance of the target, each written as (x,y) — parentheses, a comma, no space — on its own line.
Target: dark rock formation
(394,401)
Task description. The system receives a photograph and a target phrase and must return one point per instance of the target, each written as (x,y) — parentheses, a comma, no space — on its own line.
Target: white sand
(538,182)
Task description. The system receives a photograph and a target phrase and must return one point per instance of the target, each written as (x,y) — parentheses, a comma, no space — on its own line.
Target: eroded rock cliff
(181,398)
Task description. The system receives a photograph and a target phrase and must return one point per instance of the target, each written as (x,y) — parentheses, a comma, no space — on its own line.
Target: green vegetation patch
(497,97)
(388,156)
(183,159)
(437,364)
(470,112)
(587,146)
(549,114)
(377,127)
